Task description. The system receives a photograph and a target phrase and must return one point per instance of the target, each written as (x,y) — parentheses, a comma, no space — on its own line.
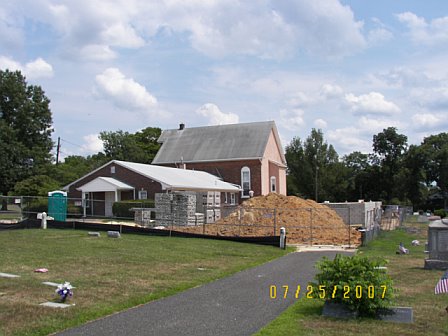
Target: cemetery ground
(109,274)
(415,287)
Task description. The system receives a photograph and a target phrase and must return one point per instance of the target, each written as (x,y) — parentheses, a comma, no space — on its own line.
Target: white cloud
(299,99)
(320,123)
(359,137)
(421,31)
(402,76)
(92,144)
(265,29)
(372,103)
(323,27)
(330,91)
(430,121)
(292,119)
(376,125)
(215,116)
(38,68)
(123,92)
(10,34)
(122,35)
(349,139)
(97,52)
(379,34)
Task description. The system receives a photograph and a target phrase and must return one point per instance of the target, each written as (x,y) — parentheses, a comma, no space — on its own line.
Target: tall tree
(411,179)
(25,129)
(389,147)
(139,147)
(314,169)
(435,148)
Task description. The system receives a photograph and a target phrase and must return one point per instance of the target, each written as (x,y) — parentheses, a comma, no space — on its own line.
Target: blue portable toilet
(57,205)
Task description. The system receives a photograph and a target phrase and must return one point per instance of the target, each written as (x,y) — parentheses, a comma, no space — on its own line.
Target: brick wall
(230,171)
(121,174)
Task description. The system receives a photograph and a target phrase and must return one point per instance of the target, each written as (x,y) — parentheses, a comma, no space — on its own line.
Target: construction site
(305,221)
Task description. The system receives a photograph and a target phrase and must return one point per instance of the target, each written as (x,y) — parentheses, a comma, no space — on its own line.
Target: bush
(355,282)
(32,207)
(440,212)
(122,209)
(74,211)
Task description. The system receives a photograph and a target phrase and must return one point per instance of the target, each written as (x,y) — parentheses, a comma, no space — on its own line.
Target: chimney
(181,126)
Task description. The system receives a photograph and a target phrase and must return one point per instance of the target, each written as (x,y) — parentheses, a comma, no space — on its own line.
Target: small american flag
(442,285)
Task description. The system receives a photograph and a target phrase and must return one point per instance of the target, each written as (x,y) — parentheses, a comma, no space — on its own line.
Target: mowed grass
(415,287)
(109,274)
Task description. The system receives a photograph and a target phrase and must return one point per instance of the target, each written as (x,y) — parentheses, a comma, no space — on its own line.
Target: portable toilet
(57,205)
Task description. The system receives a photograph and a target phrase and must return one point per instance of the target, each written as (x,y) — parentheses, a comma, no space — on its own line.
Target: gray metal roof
(215,143)
(169,178)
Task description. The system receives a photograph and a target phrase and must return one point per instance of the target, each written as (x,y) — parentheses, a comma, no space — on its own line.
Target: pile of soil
(305,221)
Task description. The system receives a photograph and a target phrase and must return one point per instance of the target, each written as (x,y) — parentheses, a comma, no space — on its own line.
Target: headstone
(49,283)
(394,314)
(94,234)
(53,284)
(113,234)
(337,310)
(56,305)
(397,314)
(7,275)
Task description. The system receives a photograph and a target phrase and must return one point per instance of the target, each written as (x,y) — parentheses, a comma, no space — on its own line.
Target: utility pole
(315,182)
(57,150)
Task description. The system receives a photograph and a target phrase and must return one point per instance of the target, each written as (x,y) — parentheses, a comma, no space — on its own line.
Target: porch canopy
(101,184)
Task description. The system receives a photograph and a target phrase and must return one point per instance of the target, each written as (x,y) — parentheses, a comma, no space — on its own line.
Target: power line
(71,143)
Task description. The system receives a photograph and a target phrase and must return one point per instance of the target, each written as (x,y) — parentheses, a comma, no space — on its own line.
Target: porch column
(84,204)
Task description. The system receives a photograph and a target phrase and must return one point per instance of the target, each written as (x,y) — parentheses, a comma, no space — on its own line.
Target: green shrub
(31,207)
(440,212)
(355,282)
(122,209)
(74,211)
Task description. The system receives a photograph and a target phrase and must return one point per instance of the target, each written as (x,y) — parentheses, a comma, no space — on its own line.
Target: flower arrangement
(64,290)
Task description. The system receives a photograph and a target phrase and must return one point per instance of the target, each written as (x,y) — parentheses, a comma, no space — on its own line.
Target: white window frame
(87,200)
(273,184)
(112,169)
(142,194)
(232,199)
(245,192)
(226,198)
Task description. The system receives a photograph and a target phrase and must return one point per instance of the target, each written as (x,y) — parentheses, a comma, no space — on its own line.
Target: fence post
(275,221)
(282,238)
(349,236)
(311,226)
(43,224)
(349,223)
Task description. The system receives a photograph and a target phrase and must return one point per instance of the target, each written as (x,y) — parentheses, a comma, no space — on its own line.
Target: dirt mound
(305,221)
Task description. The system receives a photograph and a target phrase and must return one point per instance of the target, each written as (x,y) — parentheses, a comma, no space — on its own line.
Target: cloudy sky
(348,67)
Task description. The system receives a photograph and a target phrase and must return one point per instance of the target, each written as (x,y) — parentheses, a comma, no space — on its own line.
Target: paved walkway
(236,305)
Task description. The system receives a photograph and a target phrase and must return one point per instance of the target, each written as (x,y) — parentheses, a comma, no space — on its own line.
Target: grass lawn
(109,274)
(415,289)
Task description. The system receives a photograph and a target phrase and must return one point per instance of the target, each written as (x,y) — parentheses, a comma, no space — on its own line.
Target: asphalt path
(240,304)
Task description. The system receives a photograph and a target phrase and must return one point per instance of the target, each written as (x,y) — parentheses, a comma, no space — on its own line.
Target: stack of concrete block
(177,208)
(209,204)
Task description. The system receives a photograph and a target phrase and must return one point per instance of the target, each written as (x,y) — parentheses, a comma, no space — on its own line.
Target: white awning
(101,184)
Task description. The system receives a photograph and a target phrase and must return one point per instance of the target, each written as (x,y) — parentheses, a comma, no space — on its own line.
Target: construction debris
(306,222)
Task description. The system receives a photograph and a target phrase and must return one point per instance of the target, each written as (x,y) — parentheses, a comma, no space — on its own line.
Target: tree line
(395,172)
(27,165)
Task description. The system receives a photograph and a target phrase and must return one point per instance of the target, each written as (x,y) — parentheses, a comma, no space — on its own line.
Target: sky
(348,67)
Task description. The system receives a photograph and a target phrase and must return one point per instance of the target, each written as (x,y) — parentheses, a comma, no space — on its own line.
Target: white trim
(217,160)
(245,169)
(273,183)
(141,193)
(232,198)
